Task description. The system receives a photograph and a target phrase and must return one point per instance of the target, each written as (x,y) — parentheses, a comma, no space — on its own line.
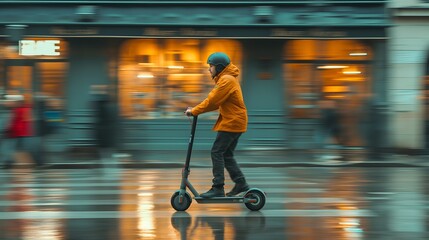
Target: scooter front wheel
(181,203)
(256,200)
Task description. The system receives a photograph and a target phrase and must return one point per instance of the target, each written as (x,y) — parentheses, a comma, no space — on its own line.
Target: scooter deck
(220,200)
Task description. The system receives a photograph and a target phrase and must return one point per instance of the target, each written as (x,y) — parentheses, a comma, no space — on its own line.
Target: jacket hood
(231,69)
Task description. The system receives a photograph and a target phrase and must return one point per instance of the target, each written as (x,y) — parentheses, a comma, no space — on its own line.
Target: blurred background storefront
(290,54)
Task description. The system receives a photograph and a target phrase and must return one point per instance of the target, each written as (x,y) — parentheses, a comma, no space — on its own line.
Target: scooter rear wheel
(258,198)
(181,205)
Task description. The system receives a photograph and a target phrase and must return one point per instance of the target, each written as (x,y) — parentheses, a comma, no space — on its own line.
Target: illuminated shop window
(53,75)
(328,69)
(20,81)
(316,69)
(36,63)
(159,78)
(344,50)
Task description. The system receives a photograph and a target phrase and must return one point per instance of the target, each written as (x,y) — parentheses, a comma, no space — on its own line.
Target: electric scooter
(254,198)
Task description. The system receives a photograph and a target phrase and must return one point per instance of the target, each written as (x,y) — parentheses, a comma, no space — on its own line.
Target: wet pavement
(246,158)
(134,203)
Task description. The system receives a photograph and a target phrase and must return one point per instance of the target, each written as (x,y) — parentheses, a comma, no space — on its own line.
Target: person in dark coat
(40,127)
(48,121)
(329,133)
(105,124)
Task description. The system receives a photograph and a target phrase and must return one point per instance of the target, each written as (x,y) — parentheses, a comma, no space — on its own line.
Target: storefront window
(20,81)
(344,50)
(34,64)
(159,78)
(53,76)
(315,69)
(328,69)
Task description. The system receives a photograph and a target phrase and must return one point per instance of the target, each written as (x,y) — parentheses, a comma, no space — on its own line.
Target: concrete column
(407,48)
(263,90)
(88,65)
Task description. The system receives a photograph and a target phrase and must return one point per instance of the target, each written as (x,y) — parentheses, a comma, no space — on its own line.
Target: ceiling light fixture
(358,54)
(332,67)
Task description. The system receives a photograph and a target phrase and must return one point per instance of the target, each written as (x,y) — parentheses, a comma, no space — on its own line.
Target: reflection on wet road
(302,203)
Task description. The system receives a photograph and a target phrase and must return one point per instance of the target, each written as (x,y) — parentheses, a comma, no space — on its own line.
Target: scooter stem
(191,143)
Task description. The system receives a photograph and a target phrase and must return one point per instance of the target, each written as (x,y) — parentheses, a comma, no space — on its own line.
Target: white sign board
(39,47)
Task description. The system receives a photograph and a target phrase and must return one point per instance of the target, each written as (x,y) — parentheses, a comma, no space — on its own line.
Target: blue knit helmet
(220,60)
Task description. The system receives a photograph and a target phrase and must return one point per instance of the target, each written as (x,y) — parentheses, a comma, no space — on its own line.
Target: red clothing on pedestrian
(20,125)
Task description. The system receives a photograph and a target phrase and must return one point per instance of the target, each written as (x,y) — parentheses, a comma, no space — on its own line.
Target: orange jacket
(228,98)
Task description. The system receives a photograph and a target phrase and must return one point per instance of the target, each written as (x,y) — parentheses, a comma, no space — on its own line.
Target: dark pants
(223,157)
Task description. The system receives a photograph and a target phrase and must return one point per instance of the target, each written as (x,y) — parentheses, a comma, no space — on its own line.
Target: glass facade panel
(328,69)
(20,81)
(301,50)
(38,63)
(344,50)
(327,50)
(159,78)
(302,90)
(52,75)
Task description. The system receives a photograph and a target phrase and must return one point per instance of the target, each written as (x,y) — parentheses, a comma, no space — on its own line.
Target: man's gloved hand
(188,112)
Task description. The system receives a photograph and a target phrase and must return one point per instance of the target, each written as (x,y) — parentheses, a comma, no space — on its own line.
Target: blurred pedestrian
(328,136)
(19,130)
(5,115)
(232,122)
(48,121)
(53,116)
(366,120)
(105,128)
(39,125)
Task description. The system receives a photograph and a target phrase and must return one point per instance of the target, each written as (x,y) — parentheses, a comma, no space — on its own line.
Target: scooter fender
(254,189)
(182,194)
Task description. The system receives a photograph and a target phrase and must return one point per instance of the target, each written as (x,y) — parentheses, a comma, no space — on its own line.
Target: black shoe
(214,192)
(238,188)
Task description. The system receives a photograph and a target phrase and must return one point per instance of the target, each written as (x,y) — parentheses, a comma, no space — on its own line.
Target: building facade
(153,59)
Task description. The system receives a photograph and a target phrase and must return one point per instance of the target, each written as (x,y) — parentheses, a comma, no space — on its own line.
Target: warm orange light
(351,79)
(334,89)
(332,67)
(358,54)
(145,75)
(176,67)
(352,72)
